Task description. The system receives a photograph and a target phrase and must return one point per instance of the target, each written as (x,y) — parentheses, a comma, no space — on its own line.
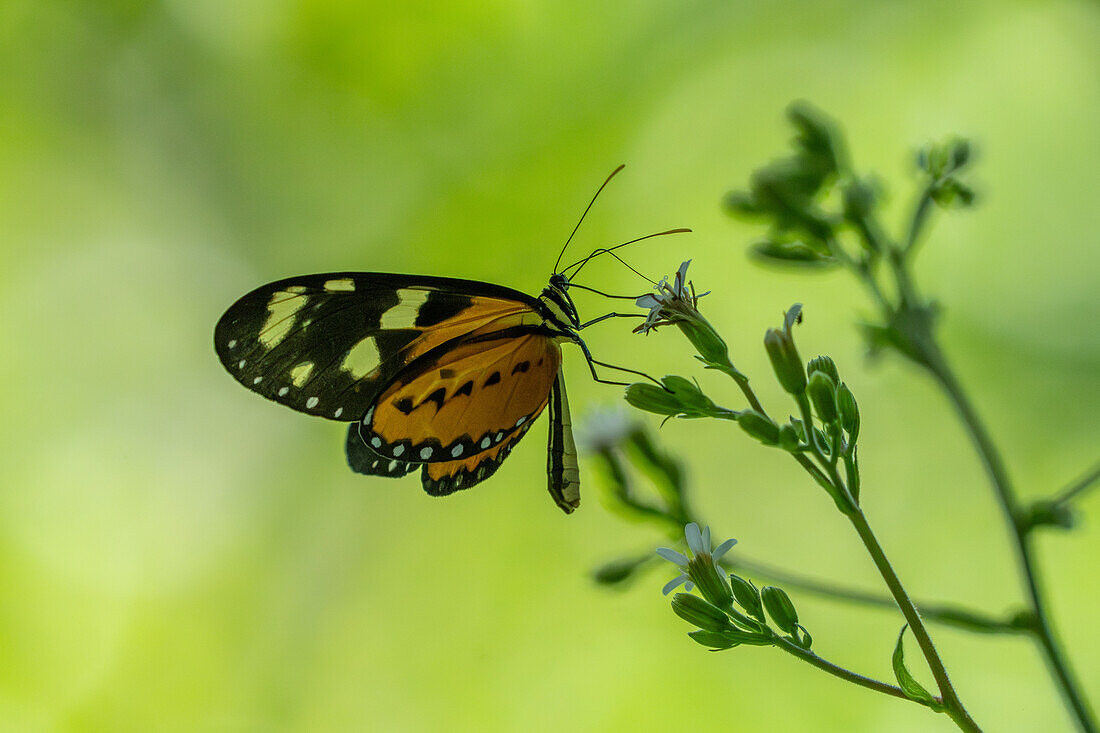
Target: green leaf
(619,571)
(791,254)
(908,684)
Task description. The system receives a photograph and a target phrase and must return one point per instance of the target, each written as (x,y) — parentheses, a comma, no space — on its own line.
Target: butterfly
(435,373)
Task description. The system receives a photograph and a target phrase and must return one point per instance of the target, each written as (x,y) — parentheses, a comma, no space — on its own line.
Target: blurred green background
(179,554)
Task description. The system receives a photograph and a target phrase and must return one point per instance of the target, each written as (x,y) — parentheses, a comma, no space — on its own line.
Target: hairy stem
(952,704)
(1006,496)
(807,656)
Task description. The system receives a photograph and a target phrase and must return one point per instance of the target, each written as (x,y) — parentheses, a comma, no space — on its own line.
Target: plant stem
(940,613)
(920,215)
(953,706)
(1006,496)
(1090,479)
(807,656)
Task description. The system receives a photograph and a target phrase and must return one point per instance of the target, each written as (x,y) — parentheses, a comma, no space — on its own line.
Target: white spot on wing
(367,417)
(456,451)
(232,343)
(486,442)
(339,412)
(403,315)
(362,359)
(426,453)
(312,402)
(521,421)
(241,363)
(398,450)
(393,465)
(499,436)
(257,380)
(283,391)
(376,442)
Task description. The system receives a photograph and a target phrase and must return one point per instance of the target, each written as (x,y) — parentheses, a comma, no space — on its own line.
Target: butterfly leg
(604,317)
(592,363)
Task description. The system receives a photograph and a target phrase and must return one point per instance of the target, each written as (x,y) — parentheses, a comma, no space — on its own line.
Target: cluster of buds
(730,610)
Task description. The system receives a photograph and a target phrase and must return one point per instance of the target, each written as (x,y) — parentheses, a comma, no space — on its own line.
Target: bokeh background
(178,554)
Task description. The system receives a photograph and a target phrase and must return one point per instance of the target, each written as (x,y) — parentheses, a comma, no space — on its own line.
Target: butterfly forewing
(328,344)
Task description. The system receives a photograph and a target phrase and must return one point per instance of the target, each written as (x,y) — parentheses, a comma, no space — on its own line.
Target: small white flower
(670,303)
(698,542)
(604,428)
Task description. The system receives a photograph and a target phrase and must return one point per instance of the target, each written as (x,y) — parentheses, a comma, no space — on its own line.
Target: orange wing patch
(471,400)
(481,316)
(440,479)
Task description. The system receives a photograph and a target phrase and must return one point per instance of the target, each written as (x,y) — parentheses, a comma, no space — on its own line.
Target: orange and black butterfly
(434,373)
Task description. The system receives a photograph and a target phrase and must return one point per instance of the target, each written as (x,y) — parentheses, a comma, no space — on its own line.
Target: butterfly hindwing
(465,400)
(363,460)
(328,344)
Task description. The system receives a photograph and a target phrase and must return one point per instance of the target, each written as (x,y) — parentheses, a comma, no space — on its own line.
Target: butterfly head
(555,298)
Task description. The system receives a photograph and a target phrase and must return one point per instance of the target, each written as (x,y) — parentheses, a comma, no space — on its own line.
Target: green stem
(807,656)
(920,216)
(941,613)
(1006,496)
(952,705)
(743,382)
(1090,479)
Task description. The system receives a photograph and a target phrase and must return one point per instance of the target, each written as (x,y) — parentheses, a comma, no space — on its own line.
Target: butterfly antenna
(608,250)
(601,188)
(625,264)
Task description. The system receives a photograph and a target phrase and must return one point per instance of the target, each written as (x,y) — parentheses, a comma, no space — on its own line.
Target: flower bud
(849,411)
(651,398)
(716,641)
(822,391)
(705,339)
(823,364)
(696,611)
(788,437)
(779,608)
(747,595)
(711,583)
(759,427)
(785,361)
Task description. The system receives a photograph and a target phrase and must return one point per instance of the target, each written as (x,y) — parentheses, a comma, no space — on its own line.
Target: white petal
(672,556)
(724,548)
(694,538)
(706,538)
(647,301)
(671,585)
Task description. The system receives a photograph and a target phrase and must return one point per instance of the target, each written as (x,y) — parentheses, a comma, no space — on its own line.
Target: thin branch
(1078,487)
(807,656)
